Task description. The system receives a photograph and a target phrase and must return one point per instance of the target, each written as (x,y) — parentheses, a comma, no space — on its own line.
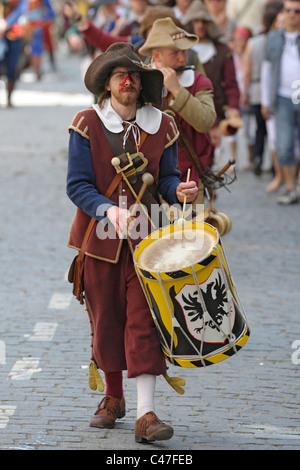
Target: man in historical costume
(188,94)
(11,34)
(217,60)
(124,336)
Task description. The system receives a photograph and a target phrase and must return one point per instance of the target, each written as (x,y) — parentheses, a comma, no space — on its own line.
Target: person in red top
(125,29)
(217,60)
(188,95)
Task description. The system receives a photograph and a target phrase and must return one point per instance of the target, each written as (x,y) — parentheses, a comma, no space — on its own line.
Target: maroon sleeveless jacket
(221,71)
(87,124)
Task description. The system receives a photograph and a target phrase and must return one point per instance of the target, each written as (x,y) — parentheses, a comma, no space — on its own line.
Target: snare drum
(194,304)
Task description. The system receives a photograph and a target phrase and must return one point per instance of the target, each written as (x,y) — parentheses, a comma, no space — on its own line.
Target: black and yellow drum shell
(196,308)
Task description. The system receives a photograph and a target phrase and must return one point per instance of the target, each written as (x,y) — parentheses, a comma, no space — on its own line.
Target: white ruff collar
(187,78)
(205,51)
(147,118)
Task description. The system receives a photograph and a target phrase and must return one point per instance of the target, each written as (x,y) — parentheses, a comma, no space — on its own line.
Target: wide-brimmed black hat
(122,54)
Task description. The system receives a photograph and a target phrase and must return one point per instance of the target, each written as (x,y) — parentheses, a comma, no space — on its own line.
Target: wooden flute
(186,67)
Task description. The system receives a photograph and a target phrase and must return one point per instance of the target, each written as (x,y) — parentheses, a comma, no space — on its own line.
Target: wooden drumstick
(147,179)
(185,196)
(181,221)
(116,163)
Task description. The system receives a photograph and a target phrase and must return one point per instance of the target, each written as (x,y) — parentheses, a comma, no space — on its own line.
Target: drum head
(177,250)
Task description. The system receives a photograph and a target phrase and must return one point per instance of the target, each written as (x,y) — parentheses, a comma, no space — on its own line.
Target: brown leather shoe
(149,428)
(109,409)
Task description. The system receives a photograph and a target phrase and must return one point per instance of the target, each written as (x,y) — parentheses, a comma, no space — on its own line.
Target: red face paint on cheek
(131,79)
(122,84)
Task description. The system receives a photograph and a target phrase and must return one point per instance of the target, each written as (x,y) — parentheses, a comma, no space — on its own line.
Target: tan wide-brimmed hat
(198,11)
(230,126)
(165,33)
(122,54)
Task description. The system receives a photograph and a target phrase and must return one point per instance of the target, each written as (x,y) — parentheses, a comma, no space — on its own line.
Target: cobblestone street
(248,402)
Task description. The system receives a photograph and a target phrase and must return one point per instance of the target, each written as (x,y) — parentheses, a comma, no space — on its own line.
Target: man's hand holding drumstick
(121,218)
(187,191)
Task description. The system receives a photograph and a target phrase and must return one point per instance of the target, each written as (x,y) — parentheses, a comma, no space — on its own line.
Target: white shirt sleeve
(265,82)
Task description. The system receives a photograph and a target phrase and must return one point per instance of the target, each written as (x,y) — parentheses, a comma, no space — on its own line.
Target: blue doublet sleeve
(81,178)
(169,175)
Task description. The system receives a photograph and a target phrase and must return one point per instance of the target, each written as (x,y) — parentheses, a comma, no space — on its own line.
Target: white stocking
(145,385)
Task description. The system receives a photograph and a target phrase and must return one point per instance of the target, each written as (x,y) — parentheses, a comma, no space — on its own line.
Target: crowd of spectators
(250,50)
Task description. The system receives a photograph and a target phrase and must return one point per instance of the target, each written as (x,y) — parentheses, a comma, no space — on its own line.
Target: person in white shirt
(251,96)
(280,93)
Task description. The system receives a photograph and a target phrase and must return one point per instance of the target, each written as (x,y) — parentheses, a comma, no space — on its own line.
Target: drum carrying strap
(185,143)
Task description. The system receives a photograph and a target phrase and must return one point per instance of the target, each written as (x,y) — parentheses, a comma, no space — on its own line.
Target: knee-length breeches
(123,332)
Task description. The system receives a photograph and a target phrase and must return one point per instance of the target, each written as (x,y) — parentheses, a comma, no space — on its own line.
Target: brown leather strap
(189,149)
(88,231)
